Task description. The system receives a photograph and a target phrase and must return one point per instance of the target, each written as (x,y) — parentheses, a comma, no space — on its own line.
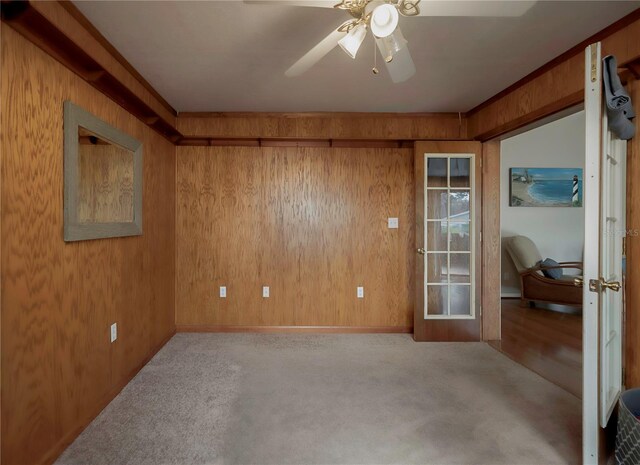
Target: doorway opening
(542,227)
(542,247)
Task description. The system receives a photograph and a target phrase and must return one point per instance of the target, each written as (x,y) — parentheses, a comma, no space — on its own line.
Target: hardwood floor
(545,341)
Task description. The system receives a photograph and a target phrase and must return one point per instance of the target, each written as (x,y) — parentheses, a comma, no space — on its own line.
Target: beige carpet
(332,399)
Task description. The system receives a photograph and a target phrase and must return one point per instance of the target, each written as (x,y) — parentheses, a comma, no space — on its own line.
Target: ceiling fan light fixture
(389,46)
(352,41)
(384,20)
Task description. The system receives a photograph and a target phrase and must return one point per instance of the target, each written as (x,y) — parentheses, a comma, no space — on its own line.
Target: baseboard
(292,329)
(68,438)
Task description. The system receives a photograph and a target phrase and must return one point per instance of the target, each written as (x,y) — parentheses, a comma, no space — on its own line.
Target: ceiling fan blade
(314,3)
(315,54)
(401,67)
(474,8)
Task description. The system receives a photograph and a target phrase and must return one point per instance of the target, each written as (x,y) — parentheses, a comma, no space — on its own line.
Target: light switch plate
(392,223)
(223,292)
(360,292)
(265,291)
(114,332)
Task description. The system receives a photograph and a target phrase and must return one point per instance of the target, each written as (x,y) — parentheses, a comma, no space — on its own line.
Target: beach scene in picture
(545,187)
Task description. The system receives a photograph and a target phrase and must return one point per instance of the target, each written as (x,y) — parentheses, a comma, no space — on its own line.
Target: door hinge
(594,63)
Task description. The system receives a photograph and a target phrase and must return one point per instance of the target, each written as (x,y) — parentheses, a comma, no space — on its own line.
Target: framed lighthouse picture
(545,187)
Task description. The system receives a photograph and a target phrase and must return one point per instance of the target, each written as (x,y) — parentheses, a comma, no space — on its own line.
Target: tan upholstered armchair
(534,285)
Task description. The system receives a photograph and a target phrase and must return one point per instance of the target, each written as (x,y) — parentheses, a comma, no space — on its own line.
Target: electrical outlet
(223,292)
(114,332)
(265,291)
(392,223)
(360,292)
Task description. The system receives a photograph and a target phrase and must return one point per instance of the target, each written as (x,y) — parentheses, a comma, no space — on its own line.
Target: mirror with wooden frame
(102,178)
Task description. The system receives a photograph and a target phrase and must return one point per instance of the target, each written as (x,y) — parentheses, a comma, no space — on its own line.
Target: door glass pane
(459,240)
(459,205)
(437,268)
(460,268)
(460,172)
(460,300)
(449,281)
(436,204)
(436,236)
(436,172)
(437,300)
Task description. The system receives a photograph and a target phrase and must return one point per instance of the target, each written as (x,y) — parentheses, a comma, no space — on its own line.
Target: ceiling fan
(382,18)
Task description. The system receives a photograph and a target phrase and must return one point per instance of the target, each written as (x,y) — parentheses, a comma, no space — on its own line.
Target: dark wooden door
(448,241)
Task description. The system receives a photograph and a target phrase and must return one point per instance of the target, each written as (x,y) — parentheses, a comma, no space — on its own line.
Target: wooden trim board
(490,277)
(294,329)
(84,21)
(573,51)
(31,21)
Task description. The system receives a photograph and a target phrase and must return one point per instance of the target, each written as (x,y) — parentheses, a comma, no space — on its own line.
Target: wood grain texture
(632,283)
(76,31)
(547,342)
(610,33)
(445,330)
(89,27)
(370,126)
(556,89)
(311,223)
(105,184)
(58,300)
(491,241)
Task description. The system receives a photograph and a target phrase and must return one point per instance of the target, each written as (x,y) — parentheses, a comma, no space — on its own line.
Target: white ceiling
(231,56)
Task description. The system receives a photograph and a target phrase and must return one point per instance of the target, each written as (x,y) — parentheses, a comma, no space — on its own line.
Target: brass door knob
(578,282)
(613,285)
(421,251)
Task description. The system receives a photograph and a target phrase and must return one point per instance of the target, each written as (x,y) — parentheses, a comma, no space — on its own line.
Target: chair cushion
(524,252)
(554,273)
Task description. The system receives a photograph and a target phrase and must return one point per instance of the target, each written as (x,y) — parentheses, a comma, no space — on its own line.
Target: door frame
(448,329)
(593,437)
(591,259)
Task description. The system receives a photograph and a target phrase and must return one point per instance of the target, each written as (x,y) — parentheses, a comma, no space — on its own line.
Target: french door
(447,241)
(605,230)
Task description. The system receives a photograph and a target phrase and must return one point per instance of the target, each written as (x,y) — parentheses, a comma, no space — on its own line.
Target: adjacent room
(319,232)
(542,227)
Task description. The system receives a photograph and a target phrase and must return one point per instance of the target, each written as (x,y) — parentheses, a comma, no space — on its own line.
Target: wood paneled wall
(58,300)
(375,126)
(311,223)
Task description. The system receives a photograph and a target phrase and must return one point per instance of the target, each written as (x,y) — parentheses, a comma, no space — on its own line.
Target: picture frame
(545,187)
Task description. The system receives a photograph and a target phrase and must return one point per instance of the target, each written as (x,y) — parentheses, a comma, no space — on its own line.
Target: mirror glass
(105,175)
(102,178)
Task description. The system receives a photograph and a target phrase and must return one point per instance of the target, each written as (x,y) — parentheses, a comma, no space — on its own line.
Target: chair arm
(568,265)
(532,273)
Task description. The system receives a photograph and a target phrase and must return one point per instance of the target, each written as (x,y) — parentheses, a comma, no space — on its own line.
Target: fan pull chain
(375,58)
